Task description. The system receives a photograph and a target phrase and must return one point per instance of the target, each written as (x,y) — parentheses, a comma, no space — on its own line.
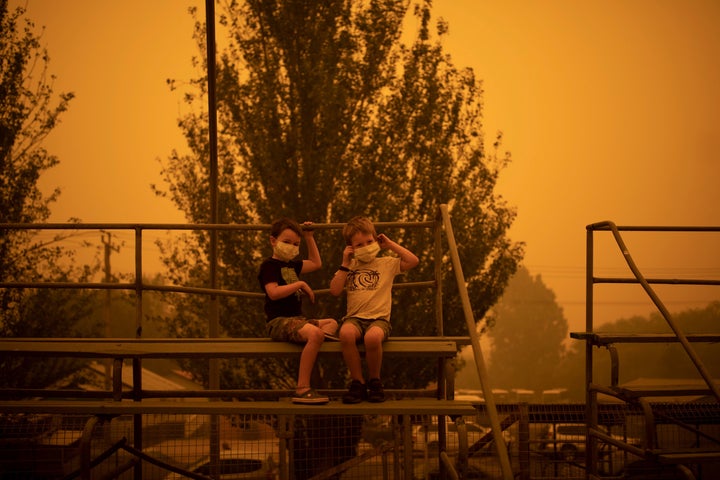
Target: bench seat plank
(207,348)
(443,349)
(600,338)
(284,407)
(678,389)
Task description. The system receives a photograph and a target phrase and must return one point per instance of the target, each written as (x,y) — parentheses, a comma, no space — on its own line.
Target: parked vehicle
(238,459)
(564,439)
(425,437)
(234,465)
(426,443)
(565,442)
(568,440)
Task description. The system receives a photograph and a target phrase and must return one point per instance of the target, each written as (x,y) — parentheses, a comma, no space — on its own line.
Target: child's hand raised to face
(348,254)
(383,241)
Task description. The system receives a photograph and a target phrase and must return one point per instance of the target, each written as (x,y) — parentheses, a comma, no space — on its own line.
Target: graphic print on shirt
(290,275)
(366,279)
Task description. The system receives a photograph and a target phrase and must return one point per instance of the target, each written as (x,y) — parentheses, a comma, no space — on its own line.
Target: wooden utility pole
(108,301)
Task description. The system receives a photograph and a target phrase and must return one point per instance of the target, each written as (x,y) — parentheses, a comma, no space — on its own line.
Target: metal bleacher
(137,402)
(655,458)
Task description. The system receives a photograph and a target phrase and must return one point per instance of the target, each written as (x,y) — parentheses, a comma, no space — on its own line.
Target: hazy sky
(611,110)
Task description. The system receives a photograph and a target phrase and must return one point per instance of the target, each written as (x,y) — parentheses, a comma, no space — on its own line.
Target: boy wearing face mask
(368,281)
(279,279)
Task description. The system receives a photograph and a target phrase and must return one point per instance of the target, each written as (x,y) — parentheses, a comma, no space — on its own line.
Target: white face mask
(367,253)
(285,251)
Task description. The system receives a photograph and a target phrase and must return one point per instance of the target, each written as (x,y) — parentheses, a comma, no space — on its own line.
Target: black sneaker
(376,394)
(356,393)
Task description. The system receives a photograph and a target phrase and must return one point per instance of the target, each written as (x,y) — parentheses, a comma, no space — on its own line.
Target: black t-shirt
(284,273)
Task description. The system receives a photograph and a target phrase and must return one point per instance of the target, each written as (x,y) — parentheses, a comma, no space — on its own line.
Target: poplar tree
(327,110)
(527,327)
(29,110)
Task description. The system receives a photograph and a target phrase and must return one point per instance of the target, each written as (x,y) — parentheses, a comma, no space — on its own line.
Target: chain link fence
(544,441)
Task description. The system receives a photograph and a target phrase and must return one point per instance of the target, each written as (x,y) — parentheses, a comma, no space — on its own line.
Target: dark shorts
(364,324)
(287,329)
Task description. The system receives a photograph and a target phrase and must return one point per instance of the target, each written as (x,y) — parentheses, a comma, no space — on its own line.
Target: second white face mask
(286,251)
(367,253)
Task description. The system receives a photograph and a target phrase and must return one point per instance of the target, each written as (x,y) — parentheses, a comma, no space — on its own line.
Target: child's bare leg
(328,325)
(373,350)
(314,337)
(349,335)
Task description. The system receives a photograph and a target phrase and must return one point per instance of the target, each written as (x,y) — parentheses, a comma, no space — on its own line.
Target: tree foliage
(668,361)
(27,115)
(325,111)
(29,111)
(527,332)
(656,361)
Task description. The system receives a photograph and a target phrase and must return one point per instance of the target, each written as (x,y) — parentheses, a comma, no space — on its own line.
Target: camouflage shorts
(363,325)
(287,329)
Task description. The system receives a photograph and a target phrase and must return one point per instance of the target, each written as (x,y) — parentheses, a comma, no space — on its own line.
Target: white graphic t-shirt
(369,288)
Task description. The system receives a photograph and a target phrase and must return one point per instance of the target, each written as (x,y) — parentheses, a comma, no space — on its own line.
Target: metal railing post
(477,352)
(591,410)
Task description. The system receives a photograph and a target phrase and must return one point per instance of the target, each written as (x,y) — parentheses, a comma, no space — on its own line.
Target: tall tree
(29,111)
(527,334)
(325,113)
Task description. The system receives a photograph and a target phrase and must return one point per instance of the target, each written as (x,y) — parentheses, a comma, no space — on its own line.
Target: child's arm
(313,262)
(276,292)
(337,284)
(408,259)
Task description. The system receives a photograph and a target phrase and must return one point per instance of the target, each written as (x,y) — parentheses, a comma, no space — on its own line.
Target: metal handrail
(640,278)
(138,286)
(637,278)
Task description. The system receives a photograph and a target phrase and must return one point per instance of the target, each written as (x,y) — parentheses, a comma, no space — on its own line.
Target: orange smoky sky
(610,109)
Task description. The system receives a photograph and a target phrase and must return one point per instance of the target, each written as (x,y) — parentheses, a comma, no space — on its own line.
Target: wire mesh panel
(247,447)
(37,446)
(544,441)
